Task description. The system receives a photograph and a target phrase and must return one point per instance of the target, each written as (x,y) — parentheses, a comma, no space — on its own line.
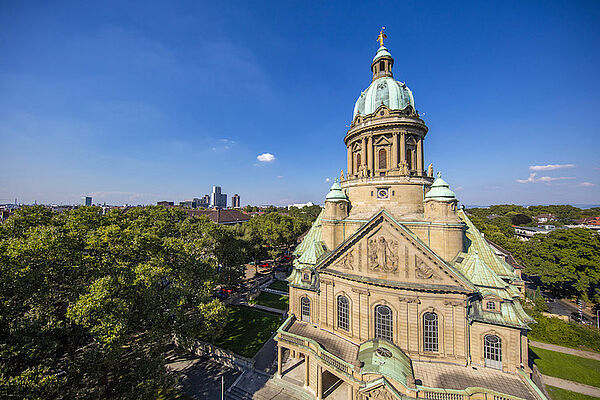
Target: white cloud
(550,167)
(279,176)
(459,188)
(265,157)
(586,184)
(543,179)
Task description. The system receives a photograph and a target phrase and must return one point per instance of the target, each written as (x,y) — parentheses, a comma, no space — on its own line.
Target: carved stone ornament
(422,270)
(382,255)
(347,261)
(378,394)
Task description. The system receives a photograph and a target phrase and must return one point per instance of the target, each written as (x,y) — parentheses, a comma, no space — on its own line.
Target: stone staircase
(236,393)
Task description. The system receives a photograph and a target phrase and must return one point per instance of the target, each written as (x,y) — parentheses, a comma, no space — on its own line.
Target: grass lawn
(272,300)
(247,330)
(280,285)
(567,366)
(561,394)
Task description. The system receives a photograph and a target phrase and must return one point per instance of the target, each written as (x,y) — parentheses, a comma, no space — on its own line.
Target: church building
(394,292)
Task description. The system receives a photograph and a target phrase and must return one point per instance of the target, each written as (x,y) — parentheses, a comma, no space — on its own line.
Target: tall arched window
(492,351)
(430,332)
(409,152)
(357,161)
(381,66)
(343,310)
(382,159)
(305,309)
(383,323)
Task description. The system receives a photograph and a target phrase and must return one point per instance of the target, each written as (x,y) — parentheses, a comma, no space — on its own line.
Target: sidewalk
(572,386)
(566,350)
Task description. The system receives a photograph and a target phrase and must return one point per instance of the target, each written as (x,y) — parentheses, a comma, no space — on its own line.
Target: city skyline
(132,105)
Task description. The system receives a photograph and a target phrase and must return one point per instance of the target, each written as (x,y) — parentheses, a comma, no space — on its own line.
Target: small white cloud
(266,157)
(586,184)
(543,179)
(279,176)
(327,180)
(550,167)
(459,188)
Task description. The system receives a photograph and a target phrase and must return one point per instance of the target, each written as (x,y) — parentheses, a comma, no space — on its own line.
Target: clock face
(382,193)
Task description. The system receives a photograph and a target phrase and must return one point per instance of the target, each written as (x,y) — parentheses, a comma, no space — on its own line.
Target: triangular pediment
(382,140)
(356,147)
(383,250)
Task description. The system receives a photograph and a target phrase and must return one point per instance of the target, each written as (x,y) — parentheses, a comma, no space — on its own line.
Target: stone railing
(315,348)
(472,393)
(216,353)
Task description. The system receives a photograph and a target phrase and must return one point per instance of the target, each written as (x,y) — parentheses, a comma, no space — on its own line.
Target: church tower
(385,161)
(392,279)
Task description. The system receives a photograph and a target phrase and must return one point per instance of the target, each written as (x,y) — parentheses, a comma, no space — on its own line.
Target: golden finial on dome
(381,36)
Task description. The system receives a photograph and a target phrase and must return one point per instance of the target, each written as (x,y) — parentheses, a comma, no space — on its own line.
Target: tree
(520,219)
(88,301)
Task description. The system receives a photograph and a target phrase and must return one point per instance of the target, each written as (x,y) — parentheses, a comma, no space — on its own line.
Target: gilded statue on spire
(381,36)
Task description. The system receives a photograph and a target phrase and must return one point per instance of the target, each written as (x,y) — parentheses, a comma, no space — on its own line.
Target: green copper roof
(308,253)
(440,190)
(387,91)
(336,193)
(390,361)
(381,52)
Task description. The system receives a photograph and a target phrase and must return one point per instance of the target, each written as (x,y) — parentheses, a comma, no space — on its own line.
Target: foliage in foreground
(556,331)
(567,261)
(88,301)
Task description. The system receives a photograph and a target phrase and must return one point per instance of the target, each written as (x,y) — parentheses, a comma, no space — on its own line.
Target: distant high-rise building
(86,201)
(165,203)
(217,199)
(235,201)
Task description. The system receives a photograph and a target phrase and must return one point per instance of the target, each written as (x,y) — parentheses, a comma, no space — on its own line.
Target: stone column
(363,157)
(350,391)
(402,147)
(350,170)
(370,156)
(306,370)
(395,151)
(319,382)
(420,156)
(279,359)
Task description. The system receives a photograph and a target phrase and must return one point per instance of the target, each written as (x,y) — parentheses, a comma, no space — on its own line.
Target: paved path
(264,308)
(566,350)
(572,386)
(275,291)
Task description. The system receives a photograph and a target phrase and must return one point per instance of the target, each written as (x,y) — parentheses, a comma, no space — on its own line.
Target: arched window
(305,309)
(357,161)
(430,332)
(409,152)
(382,159)
(383,323)
(343,309)
(492,351)
(381,66)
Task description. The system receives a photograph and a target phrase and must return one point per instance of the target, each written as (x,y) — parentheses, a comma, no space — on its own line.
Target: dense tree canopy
(567,261)
(90,300)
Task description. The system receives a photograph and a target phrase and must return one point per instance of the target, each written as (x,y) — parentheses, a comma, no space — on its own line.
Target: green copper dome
(387,91)
(382,52)
(336,193)
(440,190)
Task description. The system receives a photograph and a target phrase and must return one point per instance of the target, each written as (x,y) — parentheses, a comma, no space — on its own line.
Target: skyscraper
(86,201)
(217,199)
(235,201)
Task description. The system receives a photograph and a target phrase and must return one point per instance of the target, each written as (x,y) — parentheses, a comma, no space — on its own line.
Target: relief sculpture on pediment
(378,394)
(382,255)
(422,270)
(347,260)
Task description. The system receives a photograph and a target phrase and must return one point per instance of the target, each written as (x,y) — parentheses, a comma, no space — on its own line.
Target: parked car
(264,264)
(285,259)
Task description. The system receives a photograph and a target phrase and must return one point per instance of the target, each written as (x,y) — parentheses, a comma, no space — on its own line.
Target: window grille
(383,323)
(490,305)
(382,159)
(492,351)
(343,308)
(305,309)
(430,332)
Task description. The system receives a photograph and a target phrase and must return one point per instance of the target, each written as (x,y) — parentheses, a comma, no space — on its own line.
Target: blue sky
(135,102)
